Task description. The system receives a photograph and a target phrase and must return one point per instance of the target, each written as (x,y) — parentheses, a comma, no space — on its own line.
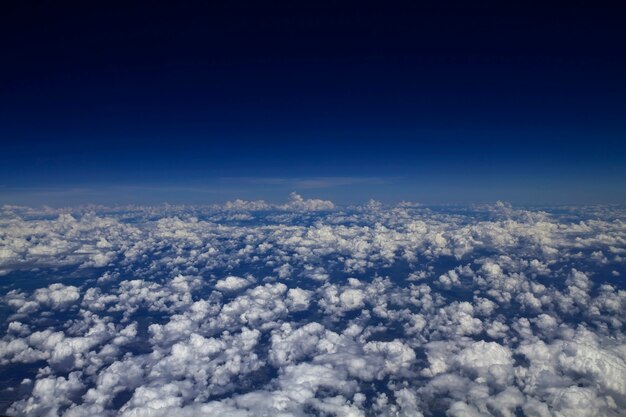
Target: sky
(149,103)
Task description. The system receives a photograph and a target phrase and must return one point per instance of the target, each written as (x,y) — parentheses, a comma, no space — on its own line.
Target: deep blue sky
(145,103)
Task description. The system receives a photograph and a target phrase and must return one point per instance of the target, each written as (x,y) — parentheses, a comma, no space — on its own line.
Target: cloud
(309,308)
(232,283)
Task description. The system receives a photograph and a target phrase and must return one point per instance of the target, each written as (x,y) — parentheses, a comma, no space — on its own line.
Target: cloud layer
(309,309)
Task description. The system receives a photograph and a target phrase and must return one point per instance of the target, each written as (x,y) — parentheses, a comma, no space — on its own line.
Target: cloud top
(308,308)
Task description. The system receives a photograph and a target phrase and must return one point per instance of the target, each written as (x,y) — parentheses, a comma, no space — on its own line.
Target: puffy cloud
(259,306)
(296,202)
(57,296)
(291,346)
(49,396)
(232,283)
(298,299)
(351,299)
(307,308)
(487,361)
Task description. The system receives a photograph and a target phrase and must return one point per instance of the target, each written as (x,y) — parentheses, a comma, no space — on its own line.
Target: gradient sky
(451,103)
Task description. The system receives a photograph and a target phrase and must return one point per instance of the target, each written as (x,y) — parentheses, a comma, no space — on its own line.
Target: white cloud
(57,296)
(307,308)
(296,202)
(232,283)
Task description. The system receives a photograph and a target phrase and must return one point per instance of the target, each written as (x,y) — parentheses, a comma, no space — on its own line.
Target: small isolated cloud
(232,283)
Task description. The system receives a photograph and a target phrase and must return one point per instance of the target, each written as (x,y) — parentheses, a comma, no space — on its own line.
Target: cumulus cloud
(296,202)
(232,283)
(307,308)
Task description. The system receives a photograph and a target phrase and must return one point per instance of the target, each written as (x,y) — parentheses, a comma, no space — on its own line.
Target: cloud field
(311,309)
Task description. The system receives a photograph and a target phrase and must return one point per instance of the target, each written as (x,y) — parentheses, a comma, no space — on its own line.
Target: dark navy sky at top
(443,103)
